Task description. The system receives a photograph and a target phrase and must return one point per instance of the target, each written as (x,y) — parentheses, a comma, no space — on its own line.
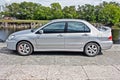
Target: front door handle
(85,35)
(60,35)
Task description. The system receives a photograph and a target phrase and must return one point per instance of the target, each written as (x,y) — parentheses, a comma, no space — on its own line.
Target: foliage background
(105,13)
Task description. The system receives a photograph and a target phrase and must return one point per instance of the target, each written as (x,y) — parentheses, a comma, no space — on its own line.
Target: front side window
(77,27)
(57,27)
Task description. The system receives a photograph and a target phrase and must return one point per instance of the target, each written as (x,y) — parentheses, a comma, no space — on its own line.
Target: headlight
(11,37)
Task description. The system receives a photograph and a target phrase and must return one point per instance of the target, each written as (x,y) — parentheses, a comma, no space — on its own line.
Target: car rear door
(77,34)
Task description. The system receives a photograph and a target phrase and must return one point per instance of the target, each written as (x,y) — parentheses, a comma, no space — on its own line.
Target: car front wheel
(92,49)
(24,48)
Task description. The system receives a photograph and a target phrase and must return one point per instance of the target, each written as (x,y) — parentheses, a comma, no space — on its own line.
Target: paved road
(110,57)
(60,65)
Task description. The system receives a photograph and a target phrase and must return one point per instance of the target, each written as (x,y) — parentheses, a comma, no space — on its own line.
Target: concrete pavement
(56,72)
(59,65)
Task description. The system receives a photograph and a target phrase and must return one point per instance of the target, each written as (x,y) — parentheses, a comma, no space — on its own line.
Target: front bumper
(106,45)
(11,44)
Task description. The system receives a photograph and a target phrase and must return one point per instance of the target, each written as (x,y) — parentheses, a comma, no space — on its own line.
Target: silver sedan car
(62,35)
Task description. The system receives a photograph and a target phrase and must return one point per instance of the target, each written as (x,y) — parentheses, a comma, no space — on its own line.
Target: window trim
(53,23)
(77,32)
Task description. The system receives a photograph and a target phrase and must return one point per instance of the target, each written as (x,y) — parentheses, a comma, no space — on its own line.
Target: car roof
(58,20)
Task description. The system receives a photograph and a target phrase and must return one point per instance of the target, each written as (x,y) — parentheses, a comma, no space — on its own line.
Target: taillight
(110,37)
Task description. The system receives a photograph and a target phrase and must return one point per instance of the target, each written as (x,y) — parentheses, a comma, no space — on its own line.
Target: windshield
(34,29)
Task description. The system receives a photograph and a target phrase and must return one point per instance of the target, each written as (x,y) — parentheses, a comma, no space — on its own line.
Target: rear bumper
(106,45)
(11,44)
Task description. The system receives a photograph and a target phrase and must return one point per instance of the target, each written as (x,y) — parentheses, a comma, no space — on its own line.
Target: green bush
(115,34)
(117,25)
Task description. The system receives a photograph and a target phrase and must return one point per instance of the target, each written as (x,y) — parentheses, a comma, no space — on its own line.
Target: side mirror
(32,30)
(41,31)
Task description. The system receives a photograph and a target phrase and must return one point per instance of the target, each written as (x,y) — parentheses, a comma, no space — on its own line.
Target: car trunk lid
(105,32)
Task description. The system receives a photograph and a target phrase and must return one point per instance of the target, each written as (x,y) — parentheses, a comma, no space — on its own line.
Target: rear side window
(77,27)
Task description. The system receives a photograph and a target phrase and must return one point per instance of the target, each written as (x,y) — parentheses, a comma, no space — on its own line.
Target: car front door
(77,34)
(52,36)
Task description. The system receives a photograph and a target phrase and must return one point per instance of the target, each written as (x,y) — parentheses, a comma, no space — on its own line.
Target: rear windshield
(102,28)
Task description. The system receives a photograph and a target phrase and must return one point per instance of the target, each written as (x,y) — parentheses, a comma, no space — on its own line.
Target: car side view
(62,35)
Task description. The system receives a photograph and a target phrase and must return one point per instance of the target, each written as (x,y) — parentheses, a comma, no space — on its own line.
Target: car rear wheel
(24,48)
(92,49)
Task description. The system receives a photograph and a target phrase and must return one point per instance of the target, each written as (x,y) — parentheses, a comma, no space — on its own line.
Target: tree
(12,10)
(106,13)
(70,12)
(42,13)
(109,14)
(27,9)
(0,15)
(87,12)
(23,10)
(56,11)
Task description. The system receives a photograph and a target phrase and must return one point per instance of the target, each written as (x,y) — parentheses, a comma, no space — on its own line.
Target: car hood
(22,32)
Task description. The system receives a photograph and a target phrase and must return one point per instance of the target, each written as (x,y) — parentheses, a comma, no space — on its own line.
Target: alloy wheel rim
(92,49)
(24,48)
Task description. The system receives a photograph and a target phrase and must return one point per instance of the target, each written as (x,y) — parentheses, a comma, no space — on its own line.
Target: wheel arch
(91,42)
(25,41)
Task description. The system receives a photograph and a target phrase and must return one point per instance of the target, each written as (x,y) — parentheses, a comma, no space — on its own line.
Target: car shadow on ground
(4,50)
(58,53)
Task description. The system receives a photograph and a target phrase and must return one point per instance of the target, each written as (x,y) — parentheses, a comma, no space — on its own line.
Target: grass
(116,27)
(26,21)
(23,22)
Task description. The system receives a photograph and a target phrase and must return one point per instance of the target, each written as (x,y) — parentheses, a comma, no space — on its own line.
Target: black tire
(26,51)
(92,49)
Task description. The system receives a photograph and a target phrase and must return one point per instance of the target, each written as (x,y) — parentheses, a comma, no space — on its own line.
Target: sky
(62,2)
